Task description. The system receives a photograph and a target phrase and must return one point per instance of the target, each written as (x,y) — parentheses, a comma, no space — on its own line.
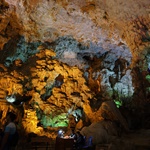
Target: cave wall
(62,59)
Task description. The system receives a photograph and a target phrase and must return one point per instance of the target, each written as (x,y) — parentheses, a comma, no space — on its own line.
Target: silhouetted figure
(73,134)
(9,135)
(79,141)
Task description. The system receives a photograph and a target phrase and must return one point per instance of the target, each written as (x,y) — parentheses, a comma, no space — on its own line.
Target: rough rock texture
(115,21)
(62,62)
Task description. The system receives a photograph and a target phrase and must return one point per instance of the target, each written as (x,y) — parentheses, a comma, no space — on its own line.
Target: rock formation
(63,62)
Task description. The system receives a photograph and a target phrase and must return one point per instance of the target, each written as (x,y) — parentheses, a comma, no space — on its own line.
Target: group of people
(9,135)
(79,140)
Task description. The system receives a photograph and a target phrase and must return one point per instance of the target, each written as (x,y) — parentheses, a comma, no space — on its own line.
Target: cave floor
(140,139)
(133,140)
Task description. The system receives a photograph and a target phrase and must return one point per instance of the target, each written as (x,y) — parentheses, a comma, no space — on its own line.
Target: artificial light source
(60,133)
(11,98)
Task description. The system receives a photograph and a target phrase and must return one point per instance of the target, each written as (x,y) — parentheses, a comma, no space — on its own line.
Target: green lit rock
(56,121)
(148,78)
(118,103)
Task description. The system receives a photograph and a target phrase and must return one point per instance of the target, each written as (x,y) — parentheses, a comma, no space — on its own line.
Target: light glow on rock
(11,98)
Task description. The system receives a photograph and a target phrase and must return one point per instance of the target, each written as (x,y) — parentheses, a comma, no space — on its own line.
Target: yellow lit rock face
(41,81)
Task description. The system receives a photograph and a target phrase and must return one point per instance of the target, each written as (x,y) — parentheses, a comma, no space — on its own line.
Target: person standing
(9,132)
(79,141)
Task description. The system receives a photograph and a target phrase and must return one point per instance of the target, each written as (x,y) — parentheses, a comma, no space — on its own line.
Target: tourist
(9,134)
(79,141)
(73,134)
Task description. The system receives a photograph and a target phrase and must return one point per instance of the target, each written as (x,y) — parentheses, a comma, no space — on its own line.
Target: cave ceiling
(66,56)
